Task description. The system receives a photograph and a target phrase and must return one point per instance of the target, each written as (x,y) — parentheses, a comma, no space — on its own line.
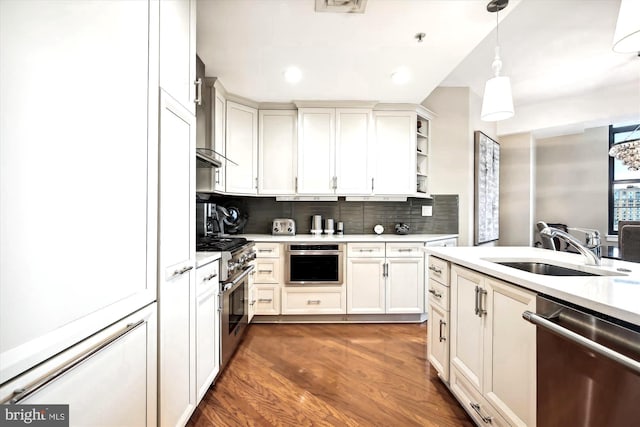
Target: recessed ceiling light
(293,75)
(400,76)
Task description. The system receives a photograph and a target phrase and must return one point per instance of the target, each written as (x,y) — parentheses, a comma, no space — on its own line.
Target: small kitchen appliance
(283,227)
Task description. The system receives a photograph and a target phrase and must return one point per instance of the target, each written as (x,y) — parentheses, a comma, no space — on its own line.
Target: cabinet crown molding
(335,104)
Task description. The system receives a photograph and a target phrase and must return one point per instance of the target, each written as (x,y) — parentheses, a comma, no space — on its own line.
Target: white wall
(572,176)
(517,189)
(458,115)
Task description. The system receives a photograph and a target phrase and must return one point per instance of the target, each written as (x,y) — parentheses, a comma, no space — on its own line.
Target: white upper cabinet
(316,150)
(219,127)
(178,50)
(353,152)
(242,148)
(92,132)
(395,152)
(277,147)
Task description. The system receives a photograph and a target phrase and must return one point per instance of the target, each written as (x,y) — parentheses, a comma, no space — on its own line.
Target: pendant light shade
(497,102)
(627,36)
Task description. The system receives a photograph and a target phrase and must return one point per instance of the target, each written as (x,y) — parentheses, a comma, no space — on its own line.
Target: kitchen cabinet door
(219,140)
(176,298)
(405,285)
(438,340)
(467,325)
(395,152)
(277,152)
(91,132)
(365,286)
(242,148)
(354,150)
(510,353)
(208,341)
(267,299)
(115,386)
(178,50)
(316,150)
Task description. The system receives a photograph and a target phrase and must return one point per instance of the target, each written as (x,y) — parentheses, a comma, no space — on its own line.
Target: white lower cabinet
(265,298)
(493,350)
(207,328)
(115,384)
(385,278)
(438,340)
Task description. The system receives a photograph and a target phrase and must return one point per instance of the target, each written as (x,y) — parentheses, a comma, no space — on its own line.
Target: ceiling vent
(341,6)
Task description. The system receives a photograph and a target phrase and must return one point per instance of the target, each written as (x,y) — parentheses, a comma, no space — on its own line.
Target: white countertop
(350,237)
(617,296)
(204,258)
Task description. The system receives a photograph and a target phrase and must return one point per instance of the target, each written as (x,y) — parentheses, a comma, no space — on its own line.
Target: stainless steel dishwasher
(588,367)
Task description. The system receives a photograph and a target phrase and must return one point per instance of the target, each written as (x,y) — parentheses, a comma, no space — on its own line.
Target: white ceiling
(550,48)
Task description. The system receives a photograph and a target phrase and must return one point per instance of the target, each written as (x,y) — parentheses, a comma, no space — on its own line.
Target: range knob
(242,259)
(231,266)
(289,229)
(276,230)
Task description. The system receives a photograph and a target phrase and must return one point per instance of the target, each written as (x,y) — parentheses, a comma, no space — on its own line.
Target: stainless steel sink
(546,269)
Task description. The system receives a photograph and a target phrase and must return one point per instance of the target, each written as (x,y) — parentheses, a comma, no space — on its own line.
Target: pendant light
(497,103)
(628,151)
(626,39)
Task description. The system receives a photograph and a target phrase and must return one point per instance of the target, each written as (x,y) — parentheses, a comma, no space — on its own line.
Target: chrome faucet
(550,232)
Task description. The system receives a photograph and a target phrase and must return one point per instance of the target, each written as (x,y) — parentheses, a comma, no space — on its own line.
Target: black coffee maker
(214,220)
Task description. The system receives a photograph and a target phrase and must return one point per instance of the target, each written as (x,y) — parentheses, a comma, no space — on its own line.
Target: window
(624,185)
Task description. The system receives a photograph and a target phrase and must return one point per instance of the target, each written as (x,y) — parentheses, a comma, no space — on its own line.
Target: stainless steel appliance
(588,367)
(314,264)
(283,227)
(236,265)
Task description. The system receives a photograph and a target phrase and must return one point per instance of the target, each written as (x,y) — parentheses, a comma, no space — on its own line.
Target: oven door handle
(229,285)
(582,341)
(314,253)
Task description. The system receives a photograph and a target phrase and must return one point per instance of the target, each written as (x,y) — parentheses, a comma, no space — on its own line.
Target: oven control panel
(283,227)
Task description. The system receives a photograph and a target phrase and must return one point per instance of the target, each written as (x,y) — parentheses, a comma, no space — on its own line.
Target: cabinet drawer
(268,270)
(268,250)
(469,397)
(438,270)
(267,299)
(207,277)
(439,294)
(365,250)
(404,250)
(316,300)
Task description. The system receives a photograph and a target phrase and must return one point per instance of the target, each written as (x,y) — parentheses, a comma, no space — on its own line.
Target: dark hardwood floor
(330,375)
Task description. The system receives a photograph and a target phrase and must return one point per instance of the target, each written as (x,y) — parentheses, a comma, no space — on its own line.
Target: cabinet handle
(313,301)
(475,300)
(435,269)
(372,185)
(209,277)
(476,407)
(385,270)
(265,250)
(256,183)
(265,299)
(296,184)
(182,270)
(265,271)
(479,310)
(198,84)
(217,175)
(435,293)
(22,393)
(252,302)
(442,337)
(405,250)
(365,250)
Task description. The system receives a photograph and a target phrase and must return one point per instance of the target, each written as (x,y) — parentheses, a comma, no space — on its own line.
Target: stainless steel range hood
(205,159)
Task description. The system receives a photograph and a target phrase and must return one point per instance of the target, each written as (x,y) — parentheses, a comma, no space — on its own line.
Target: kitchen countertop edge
(349,237)
(204,258)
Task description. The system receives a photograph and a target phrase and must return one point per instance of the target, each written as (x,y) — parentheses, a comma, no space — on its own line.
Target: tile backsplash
(358,217)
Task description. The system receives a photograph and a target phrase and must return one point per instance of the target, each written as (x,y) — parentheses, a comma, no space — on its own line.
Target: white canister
(329,226)
(316,223)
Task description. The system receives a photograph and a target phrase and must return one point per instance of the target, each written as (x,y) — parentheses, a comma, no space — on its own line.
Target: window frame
(612,132)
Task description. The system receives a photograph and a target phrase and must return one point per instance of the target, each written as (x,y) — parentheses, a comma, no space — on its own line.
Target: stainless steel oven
(314,264)
(234,316)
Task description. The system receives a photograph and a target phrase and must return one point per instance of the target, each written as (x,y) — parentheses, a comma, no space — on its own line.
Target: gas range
(236,255)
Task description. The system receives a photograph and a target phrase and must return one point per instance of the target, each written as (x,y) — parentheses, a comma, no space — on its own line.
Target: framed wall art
(487,189)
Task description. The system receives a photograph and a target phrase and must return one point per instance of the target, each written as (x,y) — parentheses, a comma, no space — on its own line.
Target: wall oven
(314,264)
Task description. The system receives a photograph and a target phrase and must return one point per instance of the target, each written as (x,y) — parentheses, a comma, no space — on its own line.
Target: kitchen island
(616,295)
